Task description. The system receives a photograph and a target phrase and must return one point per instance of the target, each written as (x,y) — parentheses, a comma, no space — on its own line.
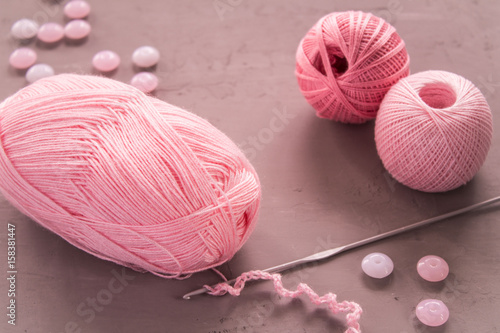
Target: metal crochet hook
(331,252)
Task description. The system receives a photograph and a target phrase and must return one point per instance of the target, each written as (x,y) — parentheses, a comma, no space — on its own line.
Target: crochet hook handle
(332,252)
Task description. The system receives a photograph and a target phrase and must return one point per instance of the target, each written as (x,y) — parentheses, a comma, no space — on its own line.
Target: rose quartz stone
(24,29)
(39,71)
(145,81)
(377,265)
(433,268)
(50,32)
(432,312)
(77,9)
(146,56)
(77,29)
(106,61)
(22,58)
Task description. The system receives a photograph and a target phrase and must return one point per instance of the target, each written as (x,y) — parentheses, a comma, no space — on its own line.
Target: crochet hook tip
(331,252)
(195,292)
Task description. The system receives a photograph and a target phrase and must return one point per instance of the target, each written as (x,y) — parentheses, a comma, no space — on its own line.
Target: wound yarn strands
(124,176)
(433,131)
(346,64)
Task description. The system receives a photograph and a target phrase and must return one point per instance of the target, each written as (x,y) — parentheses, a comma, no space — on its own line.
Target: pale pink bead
(24,29)
(22,58)
(77,9)
(433,268)
(145,81)
(77,29)
(146,56)
(106,61)
(377,265)
(432,312)
(50,32)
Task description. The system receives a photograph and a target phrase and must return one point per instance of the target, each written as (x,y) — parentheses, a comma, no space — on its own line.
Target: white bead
(24,29)
(38,72)
(146,56)
(377,265)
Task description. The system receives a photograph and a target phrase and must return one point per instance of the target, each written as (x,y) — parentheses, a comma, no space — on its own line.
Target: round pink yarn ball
(124,176)
(433,131)
(346,64)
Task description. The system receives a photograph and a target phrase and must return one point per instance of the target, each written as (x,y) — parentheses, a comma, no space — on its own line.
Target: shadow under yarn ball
(124,176)
(347,62)
(433,131)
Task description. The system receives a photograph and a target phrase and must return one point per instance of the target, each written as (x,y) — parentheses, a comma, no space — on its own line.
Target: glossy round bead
(106,61)
(39,71)
(22,58)
(77,9)
(77,29)
(432,312)
(50,32)
(146,56)
(24,29)
(433,268)
(377,265)
(145,81)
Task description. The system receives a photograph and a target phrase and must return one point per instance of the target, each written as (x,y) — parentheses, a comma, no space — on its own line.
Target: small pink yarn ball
(346,64)
(433,131)
(124,176)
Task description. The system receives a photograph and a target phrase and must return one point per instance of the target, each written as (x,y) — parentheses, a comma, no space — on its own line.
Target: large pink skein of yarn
(433,131)
(346,64)
(124,176)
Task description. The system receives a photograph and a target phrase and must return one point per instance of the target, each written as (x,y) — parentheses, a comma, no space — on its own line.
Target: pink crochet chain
(329,299)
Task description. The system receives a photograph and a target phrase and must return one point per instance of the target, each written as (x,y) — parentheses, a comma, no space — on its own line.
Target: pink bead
(432,312)
(50,32)
(146,56)
(433,268)
(106,61)
(77,9)
(377,265)
(22,58)
(77,29)
(145,82)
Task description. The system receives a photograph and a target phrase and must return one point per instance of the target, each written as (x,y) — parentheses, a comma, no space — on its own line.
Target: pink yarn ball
(433,131)
(346,64)
(124,176)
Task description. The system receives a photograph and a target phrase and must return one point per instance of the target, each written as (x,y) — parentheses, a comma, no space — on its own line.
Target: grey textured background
(232,62)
